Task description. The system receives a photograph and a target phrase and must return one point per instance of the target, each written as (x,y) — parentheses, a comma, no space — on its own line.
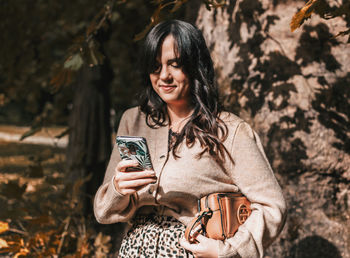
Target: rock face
(294,89)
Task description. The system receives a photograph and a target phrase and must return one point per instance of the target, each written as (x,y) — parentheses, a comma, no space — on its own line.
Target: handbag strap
(197,221)
(209,204)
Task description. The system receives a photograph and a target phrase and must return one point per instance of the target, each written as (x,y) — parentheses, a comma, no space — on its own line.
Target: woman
(196,149)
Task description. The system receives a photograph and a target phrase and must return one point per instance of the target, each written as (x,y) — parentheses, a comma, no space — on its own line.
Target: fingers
(122,175)
(130,190)
(134,184)
(185,244)
(193,234)
(127,176)
(201,239)
(205,248)
(124,164)
(130,182)
(193,248)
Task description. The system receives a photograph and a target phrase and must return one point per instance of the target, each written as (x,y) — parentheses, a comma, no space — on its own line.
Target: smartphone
(134,148)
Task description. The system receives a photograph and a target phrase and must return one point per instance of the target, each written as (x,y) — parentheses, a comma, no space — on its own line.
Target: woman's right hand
(129,182)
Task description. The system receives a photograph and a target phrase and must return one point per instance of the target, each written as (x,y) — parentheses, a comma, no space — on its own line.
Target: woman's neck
(178,116)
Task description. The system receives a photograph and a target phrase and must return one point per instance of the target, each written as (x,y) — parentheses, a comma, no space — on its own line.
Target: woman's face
(169,80)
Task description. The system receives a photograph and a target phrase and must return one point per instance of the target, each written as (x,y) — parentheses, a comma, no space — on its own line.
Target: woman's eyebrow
(173,60)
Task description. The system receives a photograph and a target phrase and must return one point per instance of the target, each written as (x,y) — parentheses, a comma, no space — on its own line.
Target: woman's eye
(175,65)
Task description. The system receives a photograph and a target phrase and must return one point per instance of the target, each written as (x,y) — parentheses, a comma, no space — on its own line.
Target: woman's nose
(164,73)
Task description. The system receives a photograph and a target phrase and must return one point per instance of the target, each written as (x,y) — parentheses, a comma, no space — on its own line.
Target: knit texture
(182,181)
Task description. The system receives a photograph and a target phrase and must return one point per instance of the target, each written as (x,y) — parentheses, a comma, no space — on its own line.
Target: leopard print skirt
(154,236)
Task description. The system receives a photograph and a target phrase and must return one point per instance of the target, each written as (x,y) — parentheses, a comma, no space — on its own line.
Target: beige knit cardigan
(182,181)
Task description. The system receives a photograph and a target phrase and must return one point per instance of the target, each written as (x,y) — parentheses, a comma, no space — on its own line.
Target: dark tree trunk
(90,136)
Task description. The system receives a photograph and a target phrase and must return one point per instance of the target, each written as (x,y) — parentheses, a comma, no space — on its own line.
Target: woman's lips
(167,87)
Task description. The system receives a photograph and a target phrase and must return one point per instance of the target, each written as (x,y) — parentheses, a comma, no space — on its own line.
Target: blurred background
(68,70)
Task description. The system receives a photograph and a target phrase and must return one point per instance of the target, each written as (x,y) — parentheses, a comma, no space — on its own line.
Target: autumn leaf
(93,55)
(102,245)
(85,249)
(74,62)
(22,252)
(3,100)
(214,4)
(61,78)
(305,13)
(4,226)
(102,239)
(41,220)
(3,243)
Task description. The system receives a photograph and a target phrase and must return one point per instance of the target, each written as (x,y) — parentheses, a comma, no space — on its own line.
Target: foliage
(326,10)
(37,63)
(42,51)
(173,6)
(30,48)
(43,217)
(85,48)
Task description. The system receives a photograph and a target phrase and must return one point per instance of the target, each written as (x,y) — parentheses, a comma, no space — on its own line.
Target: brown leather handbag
(220,215)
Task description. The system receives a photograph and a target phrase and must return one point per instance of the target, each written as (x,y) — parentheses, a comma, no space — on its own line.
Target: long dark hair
(194,58)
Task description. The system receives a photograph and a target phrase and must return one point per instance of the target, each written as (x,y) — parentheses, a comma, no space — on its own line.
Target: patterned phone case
(134,148)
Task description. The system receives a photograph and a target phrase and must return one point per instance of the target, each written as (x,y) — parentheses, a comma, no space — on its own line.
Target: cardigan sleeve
(110,206)
(253,175)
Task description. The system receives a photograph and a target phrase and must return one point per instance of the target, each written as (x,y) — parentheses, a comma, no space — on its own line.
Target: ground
(39,215)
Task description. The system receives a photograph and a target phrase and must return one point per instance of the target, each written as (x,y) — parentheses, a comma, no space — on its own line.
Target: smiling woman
(196,149)
(169,80)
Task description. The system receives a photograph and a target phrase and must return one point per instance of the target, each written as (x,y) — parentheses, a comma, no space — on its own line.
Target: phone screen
(134,148)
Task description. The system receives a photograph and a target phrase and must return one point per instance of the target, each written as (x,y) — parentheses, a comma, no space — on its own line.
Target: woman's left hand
(207,247)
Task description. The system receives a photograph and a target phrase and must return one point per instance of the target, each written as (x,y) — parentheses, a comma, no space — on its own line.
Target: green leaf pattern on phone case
(136,150)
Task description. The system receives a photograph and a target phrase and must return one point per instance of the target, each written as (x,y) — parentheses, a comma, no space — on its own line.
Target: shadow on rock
(314,247)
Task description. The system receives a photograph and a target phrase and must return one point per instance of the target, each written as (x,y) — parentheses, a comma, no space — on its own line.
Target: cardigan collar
(160,146)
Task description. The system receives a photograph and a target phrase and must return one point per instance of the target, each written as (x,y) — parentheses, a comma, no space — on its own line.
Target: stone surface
(293,88)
